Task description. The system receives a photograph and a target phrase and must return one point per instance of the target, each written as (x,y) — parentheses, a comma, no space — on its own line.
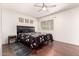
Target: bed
(32,39)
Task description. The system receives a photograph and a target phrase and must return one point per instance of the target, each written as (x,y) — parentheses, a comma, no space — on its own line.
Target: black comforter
(34,40)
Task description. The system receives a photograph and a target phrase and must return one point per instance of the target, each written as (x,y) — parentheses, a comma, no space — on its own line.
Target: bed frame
(25,29)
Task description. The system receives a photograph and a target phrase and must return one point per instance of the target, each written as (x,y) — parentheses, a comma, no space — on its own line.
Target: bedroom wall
(66,26)
(10,21)
(0,33)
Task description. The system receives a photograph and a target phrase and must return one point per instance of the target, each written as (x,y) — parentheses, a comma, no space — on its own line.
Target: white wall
(10,21)
(66,26)
(0,33)
(66,23)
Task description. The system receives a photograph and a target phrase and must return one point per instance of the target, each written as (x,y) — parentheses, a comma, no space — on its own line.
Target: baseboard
(66,43)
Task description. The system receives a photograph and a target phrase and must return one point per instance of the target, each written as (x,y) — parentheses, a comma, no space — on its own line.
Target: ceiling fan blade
(52,6)
(37,5)
(44,7)
(39,10)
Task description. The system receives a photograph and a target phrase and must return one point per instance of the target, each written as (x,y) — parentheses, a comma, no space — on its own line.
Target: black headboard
(25,29)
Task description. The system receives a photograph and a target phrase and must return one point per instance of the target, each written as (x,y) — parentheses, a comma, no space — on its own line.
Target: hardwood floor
(52,49)
(7,51)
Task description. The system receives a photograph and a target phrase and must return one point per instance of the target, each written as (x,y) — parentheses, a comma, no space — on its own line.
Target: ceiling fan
(44,7)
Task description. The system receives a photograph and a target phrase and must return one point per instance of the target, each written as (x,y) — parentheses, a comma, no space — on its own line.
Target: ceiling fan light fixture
(44,8)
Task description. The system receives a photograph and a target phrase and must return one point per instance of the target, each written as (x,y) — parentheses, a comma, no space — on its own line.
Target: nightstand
(12,39)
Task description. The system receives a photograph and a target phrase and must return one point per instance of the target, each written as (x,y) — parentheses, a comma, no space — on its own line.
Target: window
(21,19)
(31,21)
(26,20)
(47,25)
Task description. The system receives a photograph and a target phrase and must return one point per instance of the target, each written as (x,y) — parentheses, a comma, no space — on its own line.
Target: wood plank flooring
(52,49)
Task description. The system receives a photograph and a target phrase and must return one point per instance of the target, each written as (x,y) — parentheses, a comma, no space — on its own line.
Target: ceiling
(31,10)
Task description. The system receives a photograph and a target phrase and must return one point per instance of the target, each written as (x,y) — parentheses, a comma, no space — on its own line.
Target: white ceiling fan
(44,7)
